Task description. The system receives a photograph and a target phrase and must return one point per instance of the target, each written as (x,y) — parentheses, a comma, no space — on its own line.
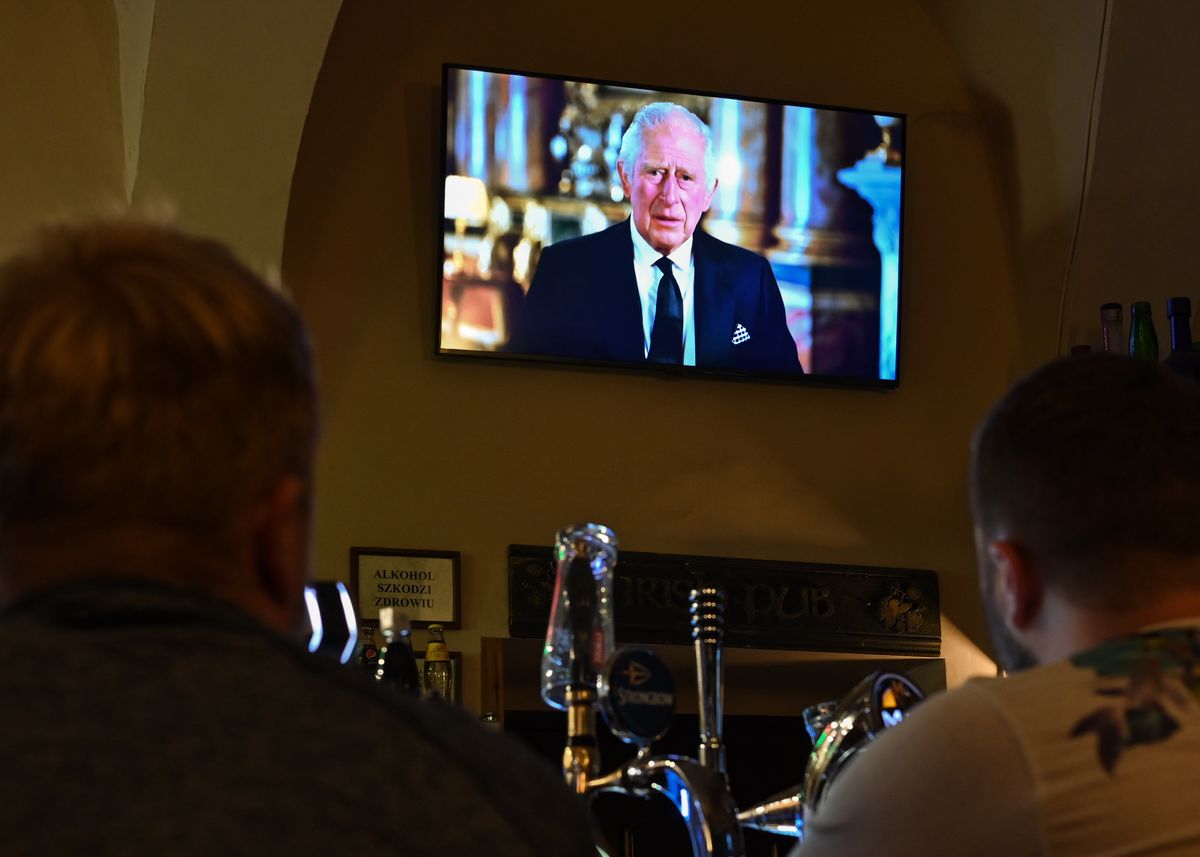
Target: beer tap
(840,730)
(635,692)
(581,757)
(637,699)
(708,628)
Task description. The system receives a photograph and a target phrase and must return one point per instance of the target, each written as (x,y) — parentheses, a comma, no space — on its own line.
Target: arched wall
(425,453)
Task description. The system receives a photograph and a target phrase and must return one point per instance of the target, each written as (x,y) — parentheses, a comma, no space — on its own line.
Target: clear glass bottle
(585,555)
(439,678)
(1112,328)
(1143,341)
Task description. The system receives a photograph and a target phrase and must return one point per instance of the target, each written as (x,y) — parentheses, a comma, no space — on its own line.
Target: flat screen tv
(666,230)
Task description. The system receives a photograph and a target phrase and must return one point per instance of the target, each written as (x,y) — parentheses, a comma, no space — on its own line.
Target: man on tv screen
(653,288)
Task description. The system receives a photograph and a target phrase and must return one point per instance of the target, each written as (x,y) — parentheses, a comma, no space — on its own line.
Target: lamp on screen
(467,205)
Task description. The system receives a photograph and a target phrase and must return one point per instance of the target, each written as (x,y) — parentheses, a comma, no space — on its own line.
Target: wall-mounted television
(666,230)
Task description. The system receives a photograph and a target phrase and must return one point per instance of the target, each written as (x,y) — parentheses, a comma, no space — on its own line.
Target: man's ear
(1018,587)
(712,191)
(626,185)
(281,546)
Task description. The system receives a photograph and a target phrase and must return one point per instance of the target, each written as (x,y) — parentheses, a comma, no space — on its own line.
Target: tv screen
(665,230)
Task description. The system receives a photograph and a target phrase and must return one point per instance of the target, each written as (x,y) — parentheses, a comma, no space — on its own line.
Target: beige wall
(425,453)
(226,92)
(60,113)
(196,104)
(1031,67)
(1138,234)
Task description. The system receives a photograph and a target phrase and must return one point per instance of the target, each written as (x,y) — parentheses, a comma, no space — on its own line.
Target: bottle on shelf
(1183,358)
(368,648)
(1112,329)
(395,664)
(1143,341)
(438,675)
(489,720)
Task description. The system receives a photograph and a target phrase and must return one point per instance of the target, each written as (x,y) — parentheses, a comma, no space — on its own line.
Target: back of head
(147,379)
(1092,465)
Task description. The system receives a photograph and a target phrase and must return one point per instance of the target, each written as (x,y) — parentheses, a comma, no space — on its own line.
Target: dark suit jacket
(584,304)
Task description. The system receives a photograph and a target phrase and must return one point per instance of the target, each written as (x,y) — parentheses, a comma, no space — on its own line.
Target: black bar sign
(769,605)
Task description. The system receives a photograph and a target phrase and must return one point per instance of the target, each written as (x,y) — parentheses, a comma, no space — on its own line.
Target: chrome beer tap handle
(698,794)
(635,691)
(581,756)
(637,698)
(708,630)
(839,730)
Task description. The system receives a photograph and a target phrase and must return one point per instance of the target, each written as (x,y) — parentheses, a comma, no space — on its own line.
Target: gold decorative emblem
(901,610)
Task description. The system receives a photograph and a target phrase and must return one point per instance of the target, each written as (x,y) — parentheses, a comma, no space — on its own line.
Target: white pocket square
(740,335)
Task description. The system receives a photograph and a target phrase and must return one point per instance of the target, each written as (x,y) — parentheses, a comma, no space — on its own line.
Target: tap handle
(581,619)
(708,615)
(708,630)
(637,697)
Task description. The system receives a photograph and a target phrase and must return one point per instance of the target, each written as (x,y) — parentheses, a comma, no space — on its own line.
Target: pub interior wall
(427,453)
(1139,223)
(424,453)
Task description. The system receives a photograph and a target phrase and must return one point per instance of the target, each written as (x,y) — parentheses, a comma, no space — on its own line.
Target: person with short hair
(654,288)
(1085,488)
(158,418)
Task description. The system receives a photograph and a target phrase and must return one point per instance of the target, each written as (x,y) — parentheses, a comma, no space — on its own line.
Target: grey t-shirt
(1095,755)
(139,719)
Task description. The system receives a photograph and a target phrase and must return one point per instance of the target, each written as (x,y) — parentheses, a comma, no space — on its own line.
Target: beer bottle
(1143,342)
(438,678)
(1183,358)
(395,664)
(368,648)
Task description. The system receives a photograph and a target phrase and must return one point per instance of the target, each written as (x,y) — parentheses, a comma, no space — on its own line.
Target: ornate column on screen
(824,238)
(511,144)
(739,132)
(517,167)
(877,180)
(519,148)
(476,301)
(472,149)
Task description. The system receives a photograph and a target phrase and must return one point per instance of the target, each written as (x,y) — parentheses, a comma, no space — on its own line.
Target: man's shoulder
(955,743)
(711,247)
(1001,698)
(248,712)
(598,244)
(476,784)
(963,704)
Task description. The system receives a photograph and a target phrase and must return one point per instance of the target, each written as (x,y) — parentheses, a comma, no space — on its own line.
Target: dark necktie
(666,337)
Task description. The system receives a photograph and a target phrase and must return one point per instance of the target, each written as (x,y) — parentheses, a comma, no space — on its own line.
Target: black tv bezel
(646,368)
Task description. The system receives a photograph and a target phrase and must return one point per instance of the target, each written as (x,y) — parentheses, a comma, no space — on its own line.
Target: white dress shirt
(648,277)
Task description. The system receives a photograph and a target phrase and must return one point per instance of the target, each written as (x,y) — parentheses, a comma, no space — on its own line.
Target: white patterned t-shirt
(1096,755)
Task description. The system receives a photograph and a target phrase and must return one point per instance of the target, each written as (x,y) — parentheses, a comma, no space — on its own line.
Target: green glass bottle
(1143,342)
